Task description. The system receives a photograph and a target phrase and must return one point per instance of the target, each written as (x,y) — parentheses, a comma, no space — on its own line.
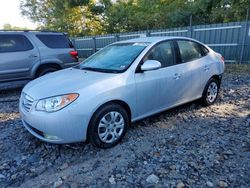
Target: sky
(10,13)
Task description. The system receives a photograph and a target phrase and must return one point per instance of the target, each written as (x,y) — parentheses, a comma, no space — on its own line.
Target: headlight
(56,103)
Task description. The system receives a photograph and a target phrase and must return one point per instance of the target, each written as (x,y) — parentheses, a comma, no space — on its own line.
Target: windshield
(113,58)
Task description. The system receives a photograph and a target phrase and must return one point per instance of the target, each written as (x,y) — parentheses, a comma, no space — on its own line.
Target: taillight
(222,59)
(74,54)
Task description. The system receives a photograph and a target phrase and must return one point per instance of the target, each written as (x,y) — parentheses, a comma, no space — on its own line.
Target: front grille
(27,102)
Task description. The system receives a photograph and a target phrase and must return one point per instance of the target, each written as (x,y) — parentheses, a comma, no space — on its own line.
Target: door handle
(206,68)
(177,76)
(33,56)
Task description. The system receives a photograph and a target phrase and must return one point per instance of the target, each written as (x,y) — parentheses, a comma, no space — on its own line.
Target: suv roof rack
(26,30)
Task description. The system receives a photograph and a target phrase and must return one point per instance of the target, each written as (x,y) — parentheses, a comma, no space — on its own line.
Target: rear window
(14,43)
(55,41)
(204,50)
(190,50)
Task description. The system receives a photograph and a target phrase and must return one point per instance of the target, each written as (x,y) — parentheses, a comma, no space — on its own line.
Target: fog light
(50,137)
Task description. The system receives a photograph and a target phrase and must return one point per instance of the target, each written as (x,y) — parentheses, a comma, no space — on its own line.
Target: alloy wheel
(111,127)
(212,92)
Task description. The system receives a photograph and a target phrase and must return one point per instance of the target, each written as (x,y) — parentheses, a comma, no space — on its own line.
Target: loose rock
(112,180)
(210,184)
(180,185)
(222,184)
(58,183)
(152,179)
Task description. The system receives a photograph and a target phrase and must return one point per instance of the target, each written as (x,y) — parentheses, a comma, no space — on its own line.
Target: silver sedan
(124,82)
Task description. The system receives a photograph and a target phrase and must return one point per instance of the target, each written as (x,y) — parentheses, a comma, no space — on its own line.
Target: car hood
(65,81)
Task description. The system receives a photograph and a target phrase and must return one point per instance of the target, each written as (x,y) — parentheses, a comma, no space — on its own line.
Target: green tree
(91,17)
(8,26)
(71,16)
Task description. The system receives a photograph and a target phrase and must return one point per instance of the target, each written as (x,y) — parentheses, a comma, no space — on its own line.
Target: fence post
(73,40)
(244,38)
(94,47)
(191,25)
(117,37)
(148,33)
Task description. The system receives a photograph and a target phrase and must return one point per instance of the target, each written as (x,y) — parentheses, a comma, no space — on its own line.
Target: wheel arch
(202,99)
(119,102)
(42,66)
(217,77)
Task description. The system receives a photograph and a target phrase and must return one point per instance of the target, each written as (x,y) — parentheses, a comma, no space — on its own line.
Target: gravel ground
(189,146)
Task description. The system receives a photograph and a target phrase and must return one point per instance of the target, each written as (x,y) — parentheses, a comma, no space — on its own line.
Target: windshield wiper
(89,68)
(99,70)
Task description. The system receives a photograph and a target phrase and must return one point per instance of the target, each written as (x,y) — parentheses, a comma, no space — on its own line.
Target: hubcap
(212,92)
(111,127)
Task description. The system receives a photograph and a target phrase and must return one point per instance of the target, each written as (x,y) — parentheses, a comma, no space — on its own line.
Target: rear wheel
(46,70)
(211,92)
(108,126)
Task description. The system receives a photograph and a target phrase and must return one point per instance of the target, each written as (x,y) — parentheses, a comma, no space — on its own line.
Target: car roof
(153,39)
(29,31)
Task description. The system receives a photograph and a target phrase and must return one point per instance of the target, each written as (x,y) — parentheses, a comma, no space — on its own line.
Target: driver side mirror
(150,65)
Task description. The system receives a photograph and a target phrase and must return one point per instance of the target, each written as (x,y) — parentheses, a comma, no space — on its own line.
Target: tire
(211,92)
(105,132)
(46,70)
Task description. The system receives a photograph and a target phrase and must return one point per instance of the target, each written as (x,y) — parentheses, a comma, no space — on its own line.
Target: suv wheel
(211,92)
(46,70)
(108,126)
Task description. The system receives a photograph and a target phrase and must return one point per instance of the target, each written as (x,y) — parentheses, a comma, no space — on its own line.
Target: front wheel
(108,126)
(211,92)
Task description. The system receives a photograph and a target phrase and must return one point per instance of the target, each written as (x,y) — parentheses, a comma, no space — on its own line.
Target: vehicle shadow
(170,113)
(11,91)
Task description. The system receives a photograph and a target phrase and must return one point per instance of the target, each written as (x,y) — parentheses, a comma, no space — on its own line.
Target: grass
(237,69)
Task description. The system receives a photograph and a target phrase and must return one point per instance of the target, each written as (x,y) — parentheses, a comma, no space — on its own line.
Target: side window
(190,51)
(14,43)
(163,53)
(204,50)
(54,41)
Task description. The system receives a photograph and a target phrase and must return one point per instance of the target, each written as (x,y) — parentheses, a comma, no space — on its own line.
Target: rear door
(191,62)
(17,57)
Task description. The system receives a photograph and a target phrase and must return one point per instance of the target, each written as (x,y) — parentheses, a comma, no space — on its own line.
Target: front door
(158,89)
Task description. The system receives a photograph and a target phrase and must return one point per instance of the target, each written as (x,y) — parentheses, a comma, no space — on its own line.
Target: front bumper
(64,126)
